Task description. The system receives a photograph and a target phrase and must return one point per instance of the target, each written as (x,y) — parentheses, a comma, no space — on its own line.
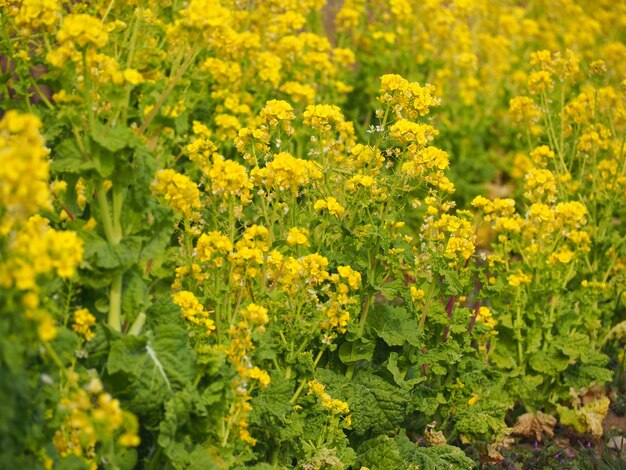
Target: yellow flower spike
(255,314)
(180,193)
(322,116)
(416,294)
(83,322)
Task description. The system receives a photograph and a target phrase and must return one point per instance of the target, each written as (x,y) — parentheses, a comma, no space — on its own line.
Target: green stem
(115,303)
(166,93)
(105,213)
(304,381)
(366,307)
(117,214)
(135,329)
(420,327)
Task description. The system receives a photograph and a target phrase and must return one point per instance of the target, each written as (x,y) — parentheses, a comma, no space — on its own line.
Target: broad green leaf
(394,325)
(115,138)
(358,350)
(399,376)
(399,452)
(67,158)
(375,404)
(549,362)
(150,369)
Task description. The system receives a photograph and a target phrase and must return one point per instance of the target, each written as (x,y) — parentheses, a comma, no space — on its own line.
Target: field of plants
(300,234)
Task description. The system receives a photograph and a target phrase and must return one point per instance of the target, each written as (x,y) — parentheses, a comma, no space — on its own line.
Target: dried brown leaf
(531,424)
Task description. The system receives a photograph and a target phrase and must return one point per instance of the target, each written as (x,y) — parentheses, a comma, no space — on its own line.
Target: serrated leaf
(150,369)
(394,325)
(375,404)
(384,452)
(548,362)
(572,345)
(273,400)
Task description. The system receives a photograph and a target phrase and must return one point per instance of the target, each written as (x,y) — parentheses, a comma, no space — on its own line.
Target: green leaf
(273,400)
(394,325)
(572,345)
(186,424)
(384,452)
(442,458)
(358,350)
(148,370)
(549,362)
(67,158)
(135,297)
(115,138)
(375,405)
(399,377)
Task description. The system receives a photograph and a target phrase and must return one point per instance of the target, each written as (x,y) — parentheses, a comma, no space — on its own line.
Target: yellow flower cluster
(38,249)
(227,178)
(92,417)
(298,237)
(485,317)
(193,311)
(331,205)
(340,297)
(286,173)
(323,117)
(250,253)
(211,244)
(336,407)
(255,314)
(277,112)
(31,15)
(180,193)
(83,322)
(407,98)
(82,30)
(22,153)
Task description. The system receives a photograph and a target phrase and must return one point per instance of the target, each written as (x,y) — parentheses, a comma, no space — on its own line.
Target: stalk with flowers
(258,235)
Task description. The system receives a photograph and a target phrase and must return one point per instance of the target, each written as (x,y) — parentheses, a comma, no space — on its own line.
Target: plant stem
(115,303)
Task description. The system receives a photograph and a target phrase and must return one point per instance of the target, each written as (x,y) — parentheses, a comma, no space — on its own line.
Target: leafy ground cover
(280,234)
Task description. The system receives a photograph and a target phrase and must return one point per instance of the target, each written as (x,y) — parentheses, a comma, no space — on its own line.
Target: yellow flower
(83,30)
(331,205)
(255,314)
(519,278)
(285,172)
(278,111)
(211,243)
(322,117)
(473,400)
(539,82)
(193,311)
(23,153)
(408,132)
(180,193)
(297,236)
(353,277)
(416,294)
(132,76)
(258,374)
(83,321)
